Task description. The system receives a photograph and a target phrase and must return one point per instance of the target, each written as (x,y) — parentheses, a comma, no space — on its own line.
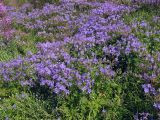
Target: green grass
(19,46)
(23,107)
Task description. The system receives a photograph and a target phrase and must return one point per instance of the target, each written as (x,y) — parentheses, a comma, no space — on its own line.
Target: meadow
(80,60)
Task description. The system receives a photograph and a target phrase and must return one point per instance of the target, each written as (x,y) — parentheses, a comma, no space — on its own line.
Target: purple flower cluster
(52,67)
(64,19)
(110,8)
(142,116)
(148,88)
(157,105)
(35,19)
(97,42)
(150,66)
(151,2)
(5,23)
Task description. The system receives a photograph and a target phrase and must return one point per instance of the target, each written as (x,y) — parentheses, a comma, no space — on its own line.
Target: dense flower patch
(5,23)
(91,40)
(72,50)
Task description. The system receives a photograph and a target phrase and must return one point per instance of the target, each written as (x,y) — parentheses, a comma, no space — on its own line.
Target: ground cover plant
(89,60)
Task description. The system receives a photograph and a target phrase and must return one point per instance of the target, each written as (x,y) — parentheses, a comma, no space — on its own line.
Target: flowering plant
(5,24)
